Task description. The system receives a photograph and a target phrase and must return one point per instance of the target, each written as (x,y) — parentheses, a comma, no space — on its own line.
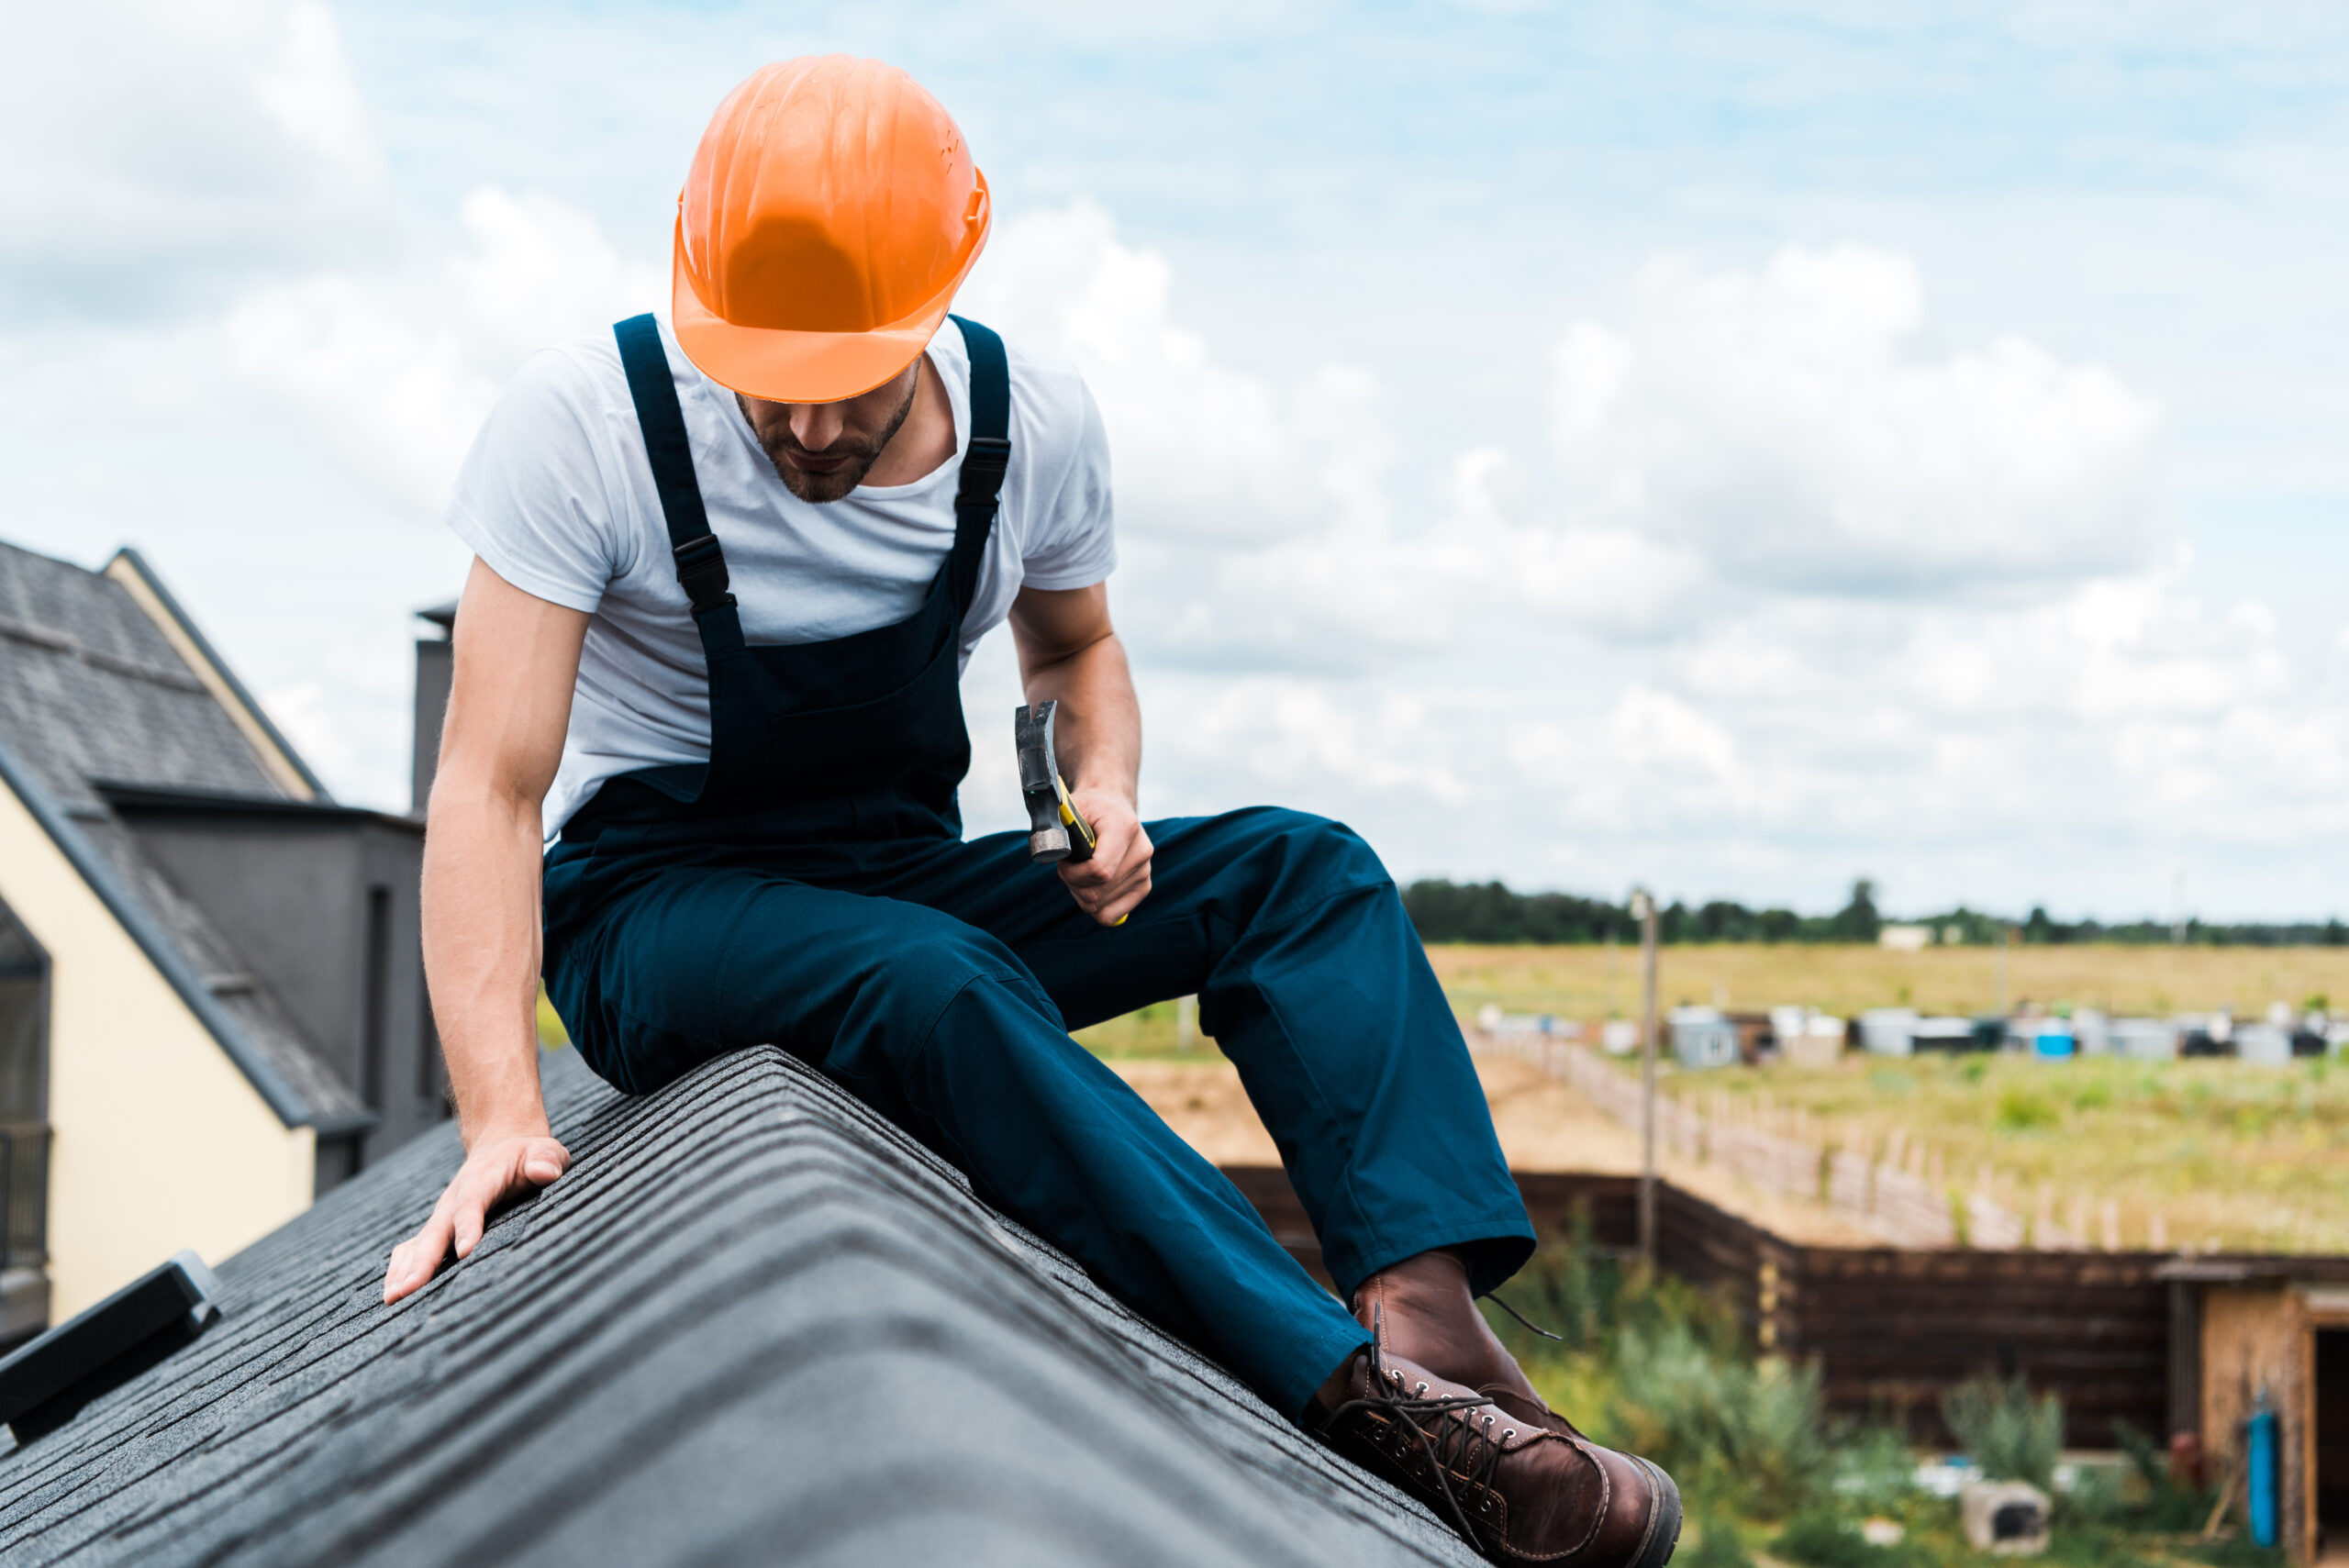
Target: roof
(753,1322)
(104,685)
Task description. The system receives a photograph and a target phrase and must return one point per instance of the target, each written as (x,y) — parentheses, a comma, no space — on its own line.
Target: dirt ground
(1543,1126)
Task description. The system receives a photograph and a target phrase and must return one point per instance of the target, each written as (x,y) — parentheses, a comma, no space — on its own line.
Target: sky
(1735,449)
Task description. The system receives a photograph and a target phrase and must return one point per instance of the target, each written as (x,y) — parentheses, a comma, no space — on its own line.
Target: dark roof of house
(753,1323)
(94,696)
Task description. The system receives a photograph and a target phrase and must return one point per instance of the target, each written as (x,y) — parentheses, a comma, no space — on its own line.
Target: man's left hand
(1116,878)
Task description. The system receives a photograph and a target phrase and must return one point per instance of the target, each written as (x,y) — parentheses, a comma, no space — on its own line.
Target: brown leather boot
(1519,1493)
(1426,1315)
(1420,1311)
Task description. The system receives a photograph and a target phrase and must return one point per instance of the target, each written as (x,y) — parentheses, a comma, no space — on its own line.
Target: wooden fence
(1896,1190)
(1891,1329)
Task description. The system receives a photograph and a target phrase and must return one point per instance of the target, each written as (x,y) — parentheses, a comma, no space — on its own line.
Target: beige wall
(159,1140)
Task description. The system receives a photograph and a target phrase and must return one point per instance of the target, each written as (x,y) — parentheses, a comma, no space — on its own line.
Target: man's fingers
(492,1174)
(1110,899)
(544,1160)
(416,1259)
(476,1190)
(1125,904)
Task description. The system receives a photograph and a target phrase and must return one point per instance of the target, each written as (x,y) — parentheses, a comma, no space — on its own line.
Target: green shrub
(1651,1364)
(1874,1471)
(2020,1111)
(1718,1545)
(1736,1432)
(1820,1537)
(2166,1506)
(2011,1435)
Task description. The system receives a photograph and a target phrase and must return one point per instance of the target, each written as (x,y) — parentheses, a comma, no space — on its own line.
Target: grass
(2253,1159)
(1149,1035)
(1599,982)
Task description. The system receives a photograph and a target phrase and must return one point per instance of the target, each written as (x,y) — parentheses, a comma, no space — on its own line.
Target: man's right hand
(498,1168)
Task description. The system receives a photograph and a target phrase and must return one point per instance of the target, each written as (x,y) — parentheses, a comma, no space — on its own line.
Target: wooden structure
(1891,1329)
(2275,1332)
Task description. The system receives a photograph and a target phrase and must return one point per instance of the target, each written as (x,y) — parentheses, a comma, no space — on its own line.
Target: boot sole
(1664,1531)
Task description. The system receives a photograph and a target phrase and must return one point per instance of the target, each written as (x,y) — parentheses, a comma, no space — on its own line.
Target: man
(726,577)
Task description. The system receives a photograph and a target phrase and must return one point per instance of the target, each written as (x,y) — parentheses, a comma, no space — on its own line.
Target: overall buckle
(701,571)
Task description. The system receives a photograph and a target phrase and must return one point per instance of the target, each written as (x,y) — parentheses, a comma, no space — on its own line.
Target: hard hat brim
(784,366)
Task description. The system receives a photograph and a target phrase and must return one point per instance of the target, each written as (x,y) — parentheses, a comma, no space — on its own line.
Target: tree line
(1490,912)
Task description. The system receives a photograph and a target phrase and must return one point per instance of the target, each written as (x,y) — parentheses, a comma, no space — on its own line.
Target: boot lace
(1467,1443)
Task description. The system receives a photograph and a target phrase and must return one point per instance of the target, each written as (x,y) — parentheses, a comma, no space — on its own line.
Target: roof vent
(44,1384)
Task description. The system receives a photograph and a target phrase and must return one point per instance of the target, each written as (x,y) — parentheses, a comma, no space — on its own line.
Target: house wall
(2255,1338)
(159,1141)
(291,897)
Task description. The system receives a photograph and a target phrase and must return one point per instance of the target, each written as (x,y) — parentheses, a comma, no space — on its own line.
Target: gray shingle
(754,1324)
(96,692)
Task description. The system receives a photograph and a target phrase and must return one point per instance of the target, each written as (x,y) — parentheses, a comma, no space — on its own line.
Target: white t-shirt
(557,498)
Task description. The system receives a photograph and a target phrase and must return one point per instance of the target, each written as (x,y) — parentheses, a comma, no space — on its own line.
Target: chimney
(433,673)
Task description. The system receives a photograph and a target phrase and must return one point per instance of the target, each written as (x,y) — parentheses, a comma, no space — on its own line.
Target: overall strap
(984,459)
(701,565)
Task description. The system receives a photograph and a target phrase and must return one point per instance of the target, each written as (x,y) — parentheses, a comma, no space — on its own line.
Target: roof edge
(132,799)
(131,569)
(158,948)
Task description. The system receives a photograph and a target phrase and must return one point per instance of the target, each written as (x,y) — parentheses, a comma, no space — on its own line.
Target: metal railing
(23,1195)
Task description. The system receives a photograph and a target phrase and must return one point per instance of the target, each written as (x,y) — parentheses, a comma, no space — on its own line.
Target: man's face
(823,450)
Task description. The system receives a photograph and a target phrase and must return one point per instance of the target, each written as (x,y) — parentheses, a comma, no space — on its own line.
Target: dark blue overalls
(810,887)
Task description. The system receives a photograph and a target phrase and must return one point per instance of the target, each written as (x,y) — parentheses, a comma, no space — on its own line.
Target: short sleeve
(532,500)
(1075,542)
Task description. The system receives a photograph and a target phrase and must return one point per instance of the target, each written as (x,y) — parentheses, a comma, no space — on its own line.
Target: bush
(1718,1545)
(1874,1471)
(1738,1433)
(1820,1539)
(2167,1505)
(2002,1429)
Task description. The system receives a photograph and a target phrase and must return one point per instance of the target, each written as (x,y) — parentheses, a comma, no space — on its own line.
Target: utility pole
(1643,911)
(2006,940)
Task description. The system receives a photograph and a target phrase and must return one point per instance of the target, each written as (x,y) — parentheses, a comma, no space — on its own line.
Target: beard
(854,455)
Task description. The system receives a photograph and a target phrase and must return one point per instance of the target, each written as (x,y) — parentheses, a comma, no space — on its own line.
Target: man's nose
(815,426)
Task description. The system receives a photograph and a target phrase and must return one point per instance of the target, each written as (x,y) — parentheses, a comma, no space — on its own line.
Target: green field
(2250,1158)
(1599,982)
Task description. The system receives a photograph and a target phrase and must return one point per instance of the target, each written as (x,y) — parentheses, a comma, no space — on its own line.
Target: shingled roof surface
(752,1323)
(93,693)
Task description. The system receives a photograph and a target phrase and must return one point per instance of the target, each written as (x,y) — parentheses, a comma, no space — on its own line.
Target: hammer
(1055,832)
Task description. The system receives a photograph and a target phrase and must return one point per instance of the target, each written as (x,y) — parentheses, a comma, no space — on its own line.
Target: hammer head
(1055,831)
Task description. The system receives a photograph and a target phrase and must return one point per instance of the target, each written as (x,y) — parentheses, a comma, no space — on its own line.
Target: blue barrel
(2260,1473)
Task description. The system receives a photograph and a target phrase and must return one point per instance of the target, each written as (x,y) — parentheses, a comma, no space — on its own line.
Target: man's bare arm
(517,659)
(1069,652)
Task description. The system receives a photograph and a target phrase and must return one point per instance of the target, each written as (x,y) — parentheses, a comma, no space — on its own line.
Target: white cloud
(394,369)
(1256,518)
(155,153)
(1790,427)
(1204,452)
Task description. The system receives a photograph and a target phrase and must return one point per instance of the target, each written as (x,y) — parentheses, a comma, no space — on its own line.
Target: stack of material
(752,1323)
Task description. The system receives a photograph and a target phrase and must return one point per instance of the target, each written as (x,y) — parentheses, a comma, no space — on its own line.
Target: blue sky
(1740,448)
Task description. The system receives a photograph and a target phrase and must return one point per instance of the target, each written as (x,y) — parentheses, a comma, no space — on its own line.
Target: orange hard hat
(831,214)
